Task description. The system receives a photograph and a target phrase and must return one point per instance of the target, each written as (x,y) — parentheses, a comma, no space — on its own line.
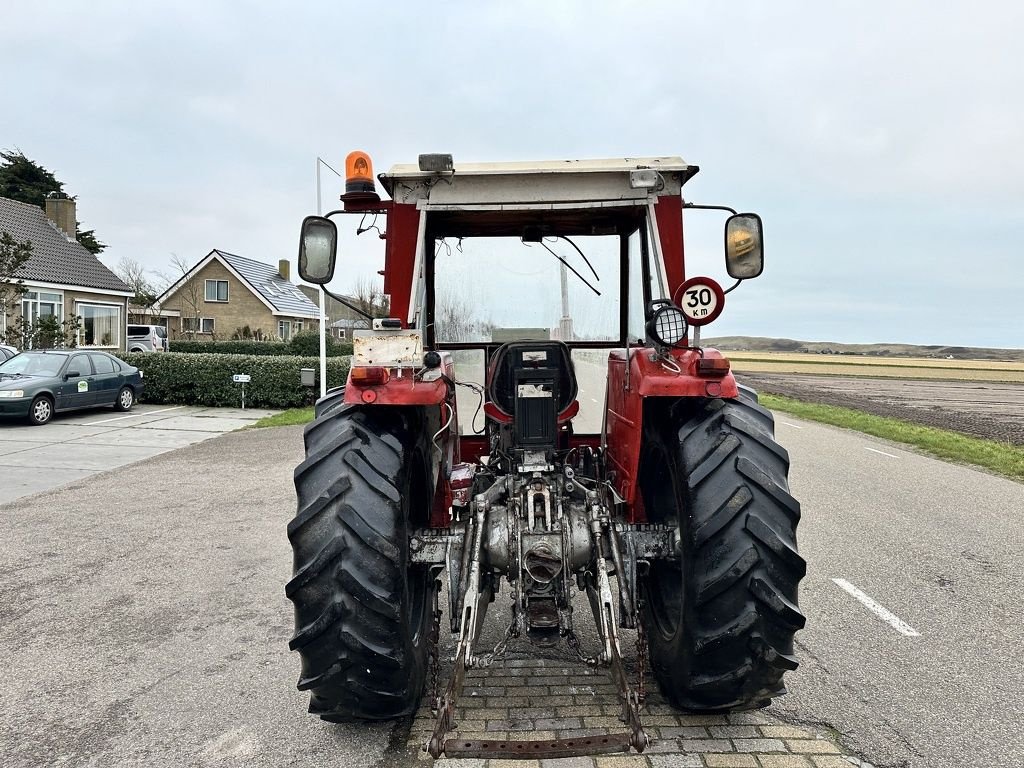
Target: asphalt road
(941,547)
(151,627)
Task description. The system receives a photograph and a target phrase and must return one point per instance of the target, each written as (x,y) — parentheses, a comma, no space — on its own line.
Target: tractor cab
(538,410)
(588,253)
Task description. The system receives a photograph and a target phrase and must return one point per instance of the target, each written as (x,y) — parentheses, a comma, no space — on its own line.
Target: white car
(6,352)
(147,338)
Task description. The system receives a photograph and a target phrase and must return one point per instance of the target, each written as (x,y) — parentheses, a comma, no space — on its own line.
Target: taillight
(712,367)
(368,375)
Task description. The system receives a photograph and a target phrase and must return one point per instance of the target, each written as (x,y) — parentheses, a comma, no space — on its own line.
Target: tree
(191,293)
(28,182)
(457,319)
(87,240)
(134,276)
(13,256)
(370,297)
(47,332)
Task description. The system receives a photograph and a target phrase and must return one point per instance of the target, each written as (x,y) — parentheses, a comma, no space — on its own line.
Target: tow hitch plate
(586,745)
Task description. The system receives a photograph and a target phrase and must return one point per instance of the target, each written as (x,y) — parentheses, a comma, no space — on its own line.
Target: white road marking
(875,450)
(132,416)
(885,615)
(794,426)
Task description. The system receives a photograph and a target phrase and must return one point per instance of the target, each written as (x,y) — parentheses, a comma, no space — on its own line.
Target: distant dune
(760,344)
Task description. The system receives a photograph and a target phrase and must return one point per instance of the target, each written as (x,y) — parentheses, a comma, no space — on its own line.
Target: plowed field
(979,408)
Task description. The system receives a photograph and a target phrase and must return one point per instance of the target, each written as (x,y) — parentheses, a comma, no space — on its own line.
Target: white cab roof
(605,165)
(507,182)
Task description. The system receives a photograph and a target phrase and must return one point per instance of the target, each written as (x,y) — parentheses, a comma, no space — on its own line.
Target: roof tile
(54,259)
(282,294)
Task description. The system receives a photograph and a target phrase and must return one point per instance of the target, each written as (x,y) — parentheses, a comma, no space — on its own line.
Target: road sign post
(243,379)
(702,301)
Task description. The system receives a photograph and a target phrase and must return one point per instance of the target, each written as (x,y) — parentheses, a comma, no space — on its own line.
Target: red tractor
(600,449)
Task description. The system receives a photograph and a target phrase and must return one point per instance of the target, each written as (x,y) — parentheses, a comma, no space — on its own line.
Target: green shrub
(302,344)
(260,348)
(307,343)
(205,379)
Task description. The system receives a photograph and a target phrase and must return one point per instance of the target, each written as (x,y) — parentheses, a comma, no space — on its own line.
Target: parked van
(147,338)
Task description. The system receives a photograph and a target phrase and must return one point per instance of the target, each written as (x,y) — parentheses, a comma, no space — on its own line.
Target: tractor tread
(317,505)
(736,503)
(741,568)
(713,459)
(361,644)
(727,577)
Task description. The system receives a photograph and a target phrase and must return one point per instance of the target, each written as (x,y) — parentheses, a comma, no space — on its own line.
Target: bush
(307,343)
(229,347)
(302,344)
(205,379)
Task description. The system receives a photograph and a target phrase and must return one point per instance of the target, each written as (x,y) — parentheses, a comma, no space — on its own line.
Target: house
(62,279)
(341,318)
(225,293)
(342,329)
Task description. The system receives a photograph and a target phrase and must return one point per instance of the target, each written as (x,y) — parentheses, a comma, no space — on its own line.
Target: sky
(880,142)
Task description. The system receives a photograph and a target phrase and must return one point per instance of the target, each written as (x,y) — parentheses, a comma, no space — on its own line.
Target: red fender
(406,391)
(651,376)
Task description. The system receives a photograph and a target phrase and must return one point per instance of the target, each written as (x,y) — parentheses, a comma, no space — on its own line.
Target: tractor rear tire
(362,610)
(721,619)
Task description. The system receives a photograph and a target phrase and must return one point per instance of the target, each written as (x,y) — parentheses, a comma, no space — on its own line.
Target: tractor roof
(562,180)
(605,165)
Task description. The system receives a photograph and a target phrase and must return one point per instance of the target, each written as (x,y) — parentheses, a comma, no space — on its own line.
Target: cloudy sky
(881,142)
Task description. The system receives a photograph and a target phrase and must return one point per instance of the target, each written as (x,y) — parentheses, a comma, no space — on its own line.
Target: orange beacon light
(358,174)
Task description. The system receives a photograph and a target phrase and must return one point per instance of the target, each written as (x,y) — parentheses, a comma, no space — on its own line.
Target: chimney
(60,209)
(284,269)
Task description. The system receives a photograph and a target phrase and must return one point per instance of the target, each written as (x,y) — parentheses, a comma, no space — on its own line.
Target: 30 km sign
(701,299)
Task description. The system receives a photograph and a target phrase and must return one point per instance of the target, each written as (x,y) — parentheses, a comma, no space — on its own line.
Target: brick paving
(548,699)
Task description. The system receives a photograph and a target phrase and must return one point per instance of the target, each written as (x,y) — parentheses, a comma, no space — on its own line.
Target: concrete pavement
(77,445)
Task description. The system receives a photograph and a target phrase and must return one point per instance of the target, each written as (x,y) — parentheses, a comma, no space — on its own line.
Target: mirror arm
(711,208)
(734,286)
(351,306)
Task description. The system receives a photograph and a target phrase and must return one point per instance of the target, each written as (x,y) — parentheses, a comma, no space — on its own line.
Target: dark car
(35,385)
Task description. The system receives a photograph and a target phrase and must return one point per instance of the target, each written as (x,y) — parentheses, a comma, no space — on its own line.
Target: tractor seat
(546,362)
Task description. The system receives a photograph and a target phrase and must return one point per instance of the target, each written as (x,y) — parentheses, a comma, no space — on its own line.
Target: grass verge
(1003,458)
(290,418)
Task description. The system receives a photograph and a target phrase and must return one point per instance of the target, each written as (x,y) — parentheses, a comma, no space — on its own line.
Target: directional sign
(241,378)
(701,299)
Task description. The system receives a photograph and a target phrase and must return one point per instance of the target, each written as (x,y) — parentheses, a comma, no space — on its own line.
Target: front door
(77,388)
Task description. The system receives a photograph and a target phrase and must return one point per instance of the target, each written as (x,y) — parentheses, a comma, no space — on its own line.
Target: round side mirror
(318,249)
(744,246)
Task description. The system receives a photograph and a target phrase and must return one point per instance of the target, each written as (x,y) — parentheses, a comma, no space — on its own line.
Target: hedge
(302,344)
(206,379)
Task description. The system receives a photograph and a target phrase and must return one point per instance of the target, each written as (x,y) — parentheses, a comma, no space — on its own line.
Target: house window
(284,329)
(36,304)
(216,290)
(197,325)
(298,326)
(101,325)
